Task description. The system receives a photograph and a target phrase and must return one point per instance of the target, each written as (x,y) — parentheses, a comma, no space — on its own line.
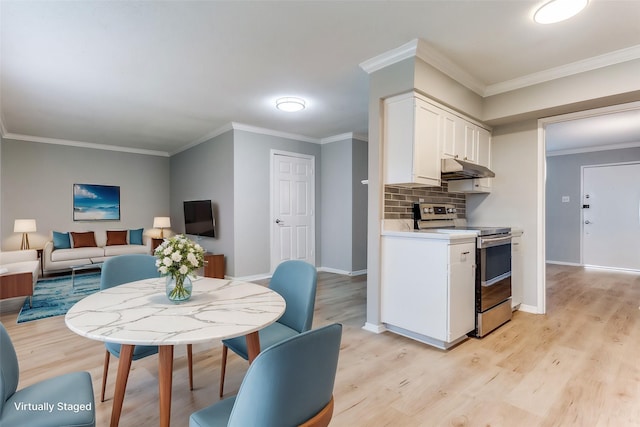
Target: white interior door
(292,208)
(611,222)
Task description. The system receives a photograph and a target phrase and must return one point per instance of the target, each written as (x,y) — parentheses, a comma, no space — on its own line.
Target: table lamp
(161,222)
(24,226)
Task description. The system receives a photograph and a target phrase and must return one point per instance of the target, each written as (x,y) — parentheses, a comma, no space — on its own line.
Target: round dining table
(139,313)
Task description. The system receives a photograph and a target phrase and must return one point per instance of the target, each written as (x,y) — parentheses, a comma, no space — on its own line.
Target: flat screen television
(198,218)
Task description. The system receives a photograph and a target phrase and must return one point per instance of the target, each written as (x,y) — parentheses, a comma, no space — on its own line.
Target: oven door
(494,274)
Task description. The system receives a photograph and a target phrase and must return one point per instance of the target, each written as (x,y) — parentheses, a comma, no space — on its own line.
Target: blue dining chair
(123,269)
(288,384)
(296,282)
(70,395)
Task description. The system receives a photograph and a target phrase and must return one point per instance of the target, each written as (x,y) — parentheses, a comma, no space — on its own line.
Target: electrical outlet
(565,199)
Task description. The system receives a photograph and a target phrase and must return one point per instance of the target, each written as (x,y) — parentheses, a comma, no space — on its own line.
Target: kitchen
(516,199)
(441,278)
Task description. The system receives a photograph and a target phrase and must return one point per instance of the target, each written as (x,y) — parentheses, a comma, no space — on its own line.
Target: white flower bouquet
(178,258)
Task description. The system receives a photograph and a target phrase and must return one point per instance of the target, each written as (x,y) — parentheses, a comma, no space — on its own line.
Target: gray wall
(344,206)
(337,209)
(360,155)
(205,172)
(564,178)
(251,182)
(37,182)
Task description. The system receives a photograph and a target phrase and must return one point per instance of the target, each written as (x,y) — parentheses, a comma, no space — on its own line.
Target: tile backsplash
(398,201)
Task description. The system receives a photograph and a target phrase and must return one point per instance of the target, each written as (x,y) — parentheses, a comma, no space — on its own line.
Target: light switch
(565,199)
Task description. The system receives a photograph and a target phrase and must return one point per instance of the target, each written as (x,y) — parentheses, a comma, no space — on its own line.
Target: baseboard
(342,272)
(376,329)
(573,264)
(528,309)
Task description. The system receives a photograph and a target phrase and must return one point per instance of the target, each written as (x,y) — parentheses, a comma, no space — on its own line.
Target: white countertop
(404,228)
(139,313)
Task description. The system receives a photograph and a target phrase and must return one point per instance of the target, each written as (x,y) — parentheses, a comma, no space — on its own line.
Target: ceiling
(162,75)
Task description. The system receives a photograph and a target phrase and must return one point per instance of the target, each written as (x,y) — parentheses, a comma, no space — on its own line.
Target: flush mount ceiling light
(558,10)
(290,104)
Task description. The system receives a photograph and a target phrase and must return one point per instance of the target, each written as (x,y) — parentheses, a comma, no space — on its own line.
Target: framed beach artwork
(96,202)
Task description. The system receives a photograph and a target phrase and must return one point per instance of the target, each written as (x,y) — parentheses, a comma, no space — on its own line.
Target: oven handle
(495,280)
(493,241)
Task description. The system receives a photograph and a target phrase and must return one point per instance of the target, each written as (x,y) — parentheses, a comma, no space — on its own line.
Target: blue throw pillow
(61,240)
(135,236)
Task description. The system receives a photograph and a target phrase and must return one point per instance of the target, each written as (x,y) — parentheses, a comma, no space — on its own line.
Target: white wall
(515,196)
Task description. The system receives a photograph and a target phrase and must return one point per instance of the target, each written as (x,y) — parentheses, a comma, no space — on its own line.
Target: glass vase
(179,288)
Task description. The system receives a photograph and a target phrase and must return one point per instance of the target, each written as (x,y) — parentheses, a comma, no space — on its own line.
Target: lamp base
(25,242)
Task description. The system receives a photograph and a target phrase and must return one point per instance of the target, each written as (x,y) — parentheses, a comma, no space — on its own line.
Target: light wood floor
(575,366)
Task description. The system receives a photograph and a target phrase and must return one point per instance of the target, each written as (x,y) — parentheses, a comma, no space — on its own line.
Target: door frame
(272,154)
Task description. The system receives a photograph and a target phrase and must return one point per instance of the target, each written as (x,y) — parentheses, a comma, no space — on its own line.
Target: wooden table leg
(124,365)
(165,378)
(253,345)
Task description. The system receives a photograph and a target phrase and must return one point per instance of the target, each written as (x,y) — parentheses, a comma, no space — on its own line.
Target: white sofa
(19,272)
(63,259)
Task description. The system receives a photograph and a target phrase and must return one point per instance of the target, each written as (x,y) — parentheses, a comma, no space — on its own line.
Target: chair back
(9,370)
(296,282)
(127,268)
(289,382)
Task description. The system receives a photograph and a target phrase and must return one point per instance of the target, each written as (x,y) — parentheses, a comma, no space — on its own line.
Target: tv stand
(214,265)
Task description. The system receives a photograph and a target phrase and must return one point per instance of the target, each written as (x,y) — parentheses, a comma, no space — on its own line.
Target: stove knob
(451,210)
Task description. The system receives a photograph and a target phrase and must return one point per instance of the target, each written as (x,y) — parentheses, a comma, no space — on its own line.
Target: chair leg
(223,368)
(190,362)
(105,371)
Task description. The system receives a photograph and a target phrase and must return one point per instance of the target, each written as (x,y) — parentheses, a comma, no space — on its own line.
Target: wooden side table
(155,243)
(214,265)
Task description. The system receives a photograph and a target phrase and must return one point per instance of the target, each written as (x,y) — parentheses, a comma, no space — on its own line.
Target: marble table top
(139,313)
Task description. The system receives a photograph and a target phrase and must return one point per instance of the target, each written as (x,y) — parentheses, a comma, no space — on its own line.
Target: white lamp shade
(161,222)
(24,226)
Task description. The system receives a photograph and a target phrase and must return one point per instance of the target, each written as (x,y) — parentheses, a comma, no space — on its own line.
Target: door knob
(279,221)
(587,222)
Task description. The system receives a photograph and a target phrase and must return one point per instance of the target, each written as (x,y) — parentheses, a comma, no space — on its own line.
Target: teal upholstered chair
(123,269)
(288,384)
(62,392)
(296,282)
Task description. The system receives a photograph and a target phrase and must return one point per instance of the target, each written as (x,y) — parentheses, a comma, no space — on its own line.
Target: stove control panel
(429,211)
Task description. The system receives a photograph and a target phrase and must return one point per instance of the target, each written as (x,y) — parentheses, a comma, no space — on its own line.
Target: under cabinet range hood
(453,169)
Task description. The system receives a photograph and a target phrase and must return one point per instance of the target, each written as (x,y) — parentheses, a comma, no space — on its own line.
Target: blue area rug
(55,296)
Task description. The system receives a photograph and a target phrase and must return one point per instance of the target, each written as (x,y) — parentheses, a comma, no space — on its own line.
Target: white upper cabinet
(419,132)
(412,134)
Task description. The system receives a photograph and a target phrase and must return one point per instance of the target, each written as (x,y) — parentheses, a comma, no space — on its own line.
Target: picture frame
(93,202)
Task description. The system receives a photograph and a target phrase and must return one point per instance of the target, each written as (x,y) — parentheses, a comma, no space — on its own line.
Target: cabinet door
(470,142)
(484,148)
(516,271)
(426,161)
(411,142)
(450,132)
(461,295)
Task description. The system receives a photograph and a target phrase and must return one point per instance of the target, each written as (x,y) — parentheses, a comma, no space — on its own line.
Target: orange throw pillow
(83,240)
(116,238)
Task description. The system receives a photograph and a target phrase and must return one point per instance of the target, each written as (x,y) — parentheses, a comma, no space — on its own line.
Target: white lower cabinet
(517,277)
(428,288)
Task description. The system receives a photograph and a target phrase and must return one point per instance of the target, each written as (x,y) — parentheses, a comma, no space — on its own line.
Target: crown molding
(431,56)
(204,138)
(589,64)
(271,132)
(71,143)
(592,149)
(421,49)
(407,50)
